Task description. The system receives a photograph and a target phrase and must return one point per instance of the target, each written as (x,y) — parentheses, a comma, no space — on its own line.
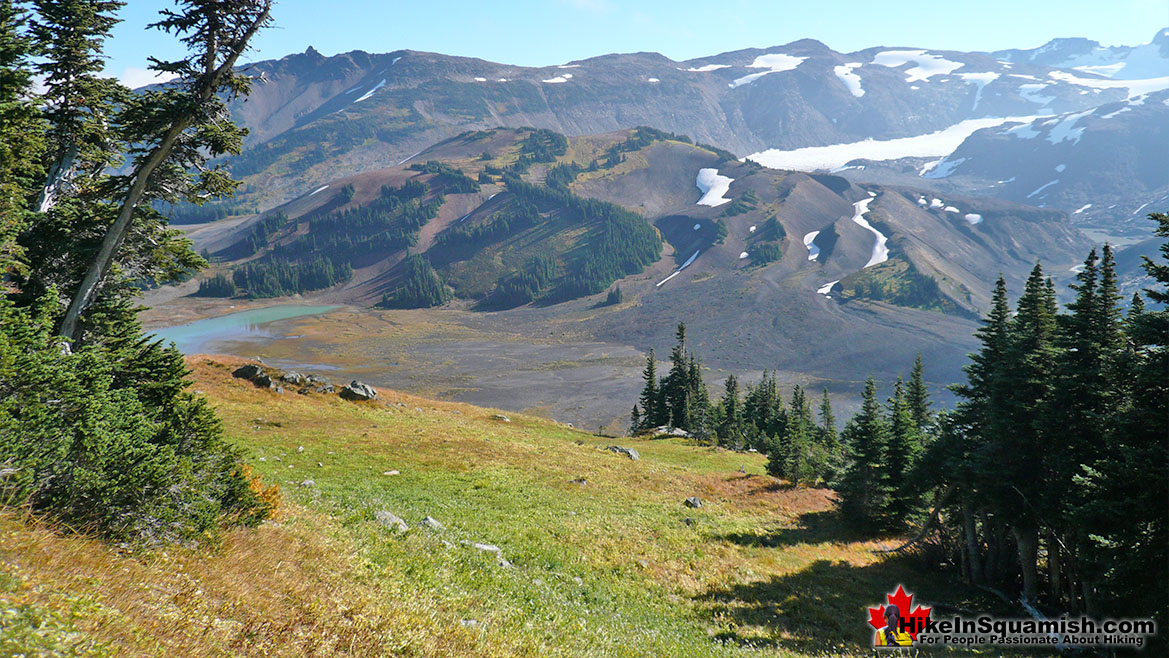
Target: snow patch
(697,226)
(1060,168)
(1066,129)
(319,189)
(713,187)
(827,287)
(652,80)
(1082,209)
(371,91)
(1022,131)
(1042,187)
(813,250)
(980,80)
(560,79)
(950,209)
(936,144)
(921,201)
(936,203)
(569,66)
(774,63)
(1134,87)
(1031,92)
(850,79)
(880,249)
(928,65)
(706,68)
(743,255)
(973,218)
(684,266)
(751,230)
(944,169)
(1138,210)
(480,79)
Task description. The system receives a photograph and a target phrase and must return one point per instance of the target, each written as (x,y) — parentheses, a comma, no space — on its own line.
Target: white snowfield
(827,287)
(713,186)
(743,255)
(813,250)
(935,144)
(1134,87)
(942,168)
(560,79)
(850,79)
(706,68)
(774,63)
(1031,91)
(1082,209)
(1064,128)
(480,79)
(684,266)
(652,80)
(973,218)
(880,249)
(319,189)
(936,203)
(371,91)
(950,209)
(928,65)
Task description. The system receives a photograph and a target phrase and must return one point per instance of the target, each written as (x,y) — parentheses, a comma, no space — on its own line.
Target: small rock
(320,465)
(279,390)
(327,388)
(293,378)
(504,563)
(693,502)
(469,623)
(752,450)
(628,452)
(300,448)
(578,580)
(391,521)
(501,418)
(306,483)
(432,523)
(490,548)
(688,521)
(643,564)
(316,379)
(391,473)
(250,371)
(263,459)
(358,391)
(579,481)
(276,458)
(418,409)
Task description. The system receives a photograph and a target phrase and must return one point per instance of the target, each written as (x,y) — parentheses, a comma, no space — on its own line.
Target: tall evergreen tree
(918,396)
(901,456)
(865,487)
(730,430)
(653,412)
(22,137)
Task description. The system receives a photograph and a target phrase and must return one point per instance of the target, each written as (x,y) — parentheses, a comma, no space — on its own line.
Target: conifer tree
(901,457)
(865,487)
(730,430)
(918,396)
(653,411)
(22,138)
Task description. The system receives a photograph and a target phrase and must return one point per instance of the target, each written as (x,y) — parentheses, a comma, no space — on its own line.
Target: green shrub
(108,440)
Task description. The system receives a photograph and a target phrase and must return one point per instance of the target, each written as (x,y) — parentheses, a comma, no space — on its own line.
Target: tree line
(1050,478)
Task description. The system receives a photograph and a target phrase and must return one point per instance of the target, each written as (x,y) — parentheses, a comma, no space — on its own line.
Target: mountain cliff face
(315,118)
(1148,60)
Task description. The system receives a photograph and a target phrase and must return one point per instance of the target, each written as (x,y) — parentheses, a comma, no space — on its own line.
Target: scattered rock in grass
(263,459)
(643,564)
(688,521)
(579,481)
(469,623)
(501,418)
(394,472)
(628,452)
(391,521)
(358,391)
(693,502)
(263,380)
(666,430)
(327,388)
(432,523)
(250,371)
(316,379)
(306,483)
(489,548)
(300,448)
(418,409)
(320,465)
(504,563)
(293,377)
(578,580)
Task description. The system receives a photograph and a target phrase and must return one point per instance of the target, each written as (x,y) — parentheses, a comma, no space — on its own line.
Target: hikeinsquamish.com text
(1065,631)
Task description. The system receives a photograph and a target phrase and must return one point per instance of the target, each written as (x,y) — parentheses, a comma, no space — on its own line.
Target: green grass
(616,566)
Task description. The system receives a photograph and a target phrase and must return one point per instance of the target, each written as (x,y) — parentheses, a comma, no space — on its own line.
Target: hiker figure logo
(896,624)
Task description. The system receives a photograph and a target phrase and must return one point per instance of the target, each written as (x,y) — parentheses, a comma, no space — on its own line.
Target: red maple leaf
(915,618)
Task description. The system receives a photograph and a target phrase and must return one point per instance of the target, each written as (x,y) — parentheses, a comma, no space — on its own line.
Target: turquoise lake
(196,337)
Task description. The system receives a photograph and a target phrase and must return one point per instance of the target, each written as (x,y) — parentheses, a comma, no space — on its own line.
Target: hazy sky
(545,32)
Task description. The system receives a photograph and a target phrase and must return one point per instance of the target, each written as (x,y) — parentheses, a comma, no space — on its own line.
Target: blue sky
(545,32)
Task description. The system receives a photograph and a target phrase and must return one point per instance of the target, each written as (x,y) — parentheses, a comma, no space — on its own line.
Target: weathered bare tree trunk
(970,530)
(59,176)
(1027,544)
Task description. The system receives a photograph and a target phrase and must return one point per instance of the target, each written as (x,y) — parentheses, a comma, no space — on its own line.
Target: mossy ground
(614,566)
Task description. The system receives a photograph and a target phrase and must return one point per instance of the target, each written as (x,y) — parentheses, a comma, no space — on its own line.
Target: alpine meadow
(772,351)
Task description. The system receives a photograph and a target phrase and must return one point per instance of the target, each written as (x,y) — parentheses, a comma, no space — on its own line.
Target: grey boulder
(358,391)
(628,452)
(391,521)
